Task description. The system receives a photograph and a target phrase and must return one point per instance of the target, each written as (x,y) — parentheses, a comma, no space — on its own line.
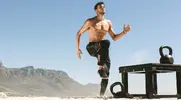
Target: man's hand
(126,28)
(79,52)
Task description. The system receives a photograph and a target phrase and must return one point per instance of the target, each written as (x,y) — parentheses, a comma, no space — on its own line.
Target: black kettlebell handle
(163,47)
(114,84)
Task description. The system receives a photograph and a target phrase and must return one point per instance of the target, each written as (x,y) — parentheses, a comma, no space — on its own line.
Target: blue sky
(42,34)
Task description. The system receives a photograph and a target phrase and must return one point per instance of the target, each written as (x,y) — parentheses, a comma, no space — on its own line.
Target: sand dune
(57,98)
(3,96)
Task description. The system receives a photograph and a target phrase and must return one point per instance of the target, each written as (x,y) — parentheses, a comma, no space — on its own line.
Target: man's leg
(103,58)
(104,82)
(102,55)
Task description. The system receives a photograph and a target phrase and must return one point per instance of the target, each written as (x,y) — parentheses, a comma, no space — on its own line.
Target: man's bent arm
(118,36)
(84,28)
(113,35)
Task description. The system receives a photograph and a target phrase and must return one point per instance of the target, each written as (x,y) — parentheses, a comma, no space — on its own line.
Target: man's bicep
(111,31)
(84,28)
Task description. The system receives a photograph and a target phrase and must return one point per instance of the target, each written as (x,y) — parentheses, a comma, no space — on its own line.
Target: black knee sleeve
(104,83)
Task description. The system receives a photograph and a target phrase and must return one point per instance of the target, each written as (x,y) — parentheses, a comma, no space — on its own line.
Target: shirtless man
(98,46)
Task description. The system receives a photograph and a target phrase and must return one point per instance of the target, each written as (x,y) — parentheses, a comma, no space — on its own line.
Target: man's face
(100,9)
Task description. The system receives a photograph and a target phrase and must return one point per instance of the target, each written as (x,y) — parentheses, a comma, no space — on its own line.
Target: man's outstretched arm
(115,36)
(84,28)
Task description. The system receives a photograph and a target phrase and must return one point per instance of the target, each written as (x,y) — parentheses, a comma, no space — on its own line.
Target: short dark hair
(98,3)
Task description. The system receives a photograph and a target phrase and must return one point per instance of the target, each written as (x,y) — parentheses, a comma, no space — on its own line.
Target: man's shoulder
(89,19)
(109,21)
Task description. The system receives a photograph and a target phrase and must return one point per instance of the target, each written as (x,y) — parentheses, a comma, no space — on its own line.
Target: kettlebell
(119,94)
(166,58)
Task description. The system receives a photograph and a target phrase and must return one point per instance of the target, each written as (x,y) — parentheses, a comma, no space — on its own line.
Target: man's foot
(102,96)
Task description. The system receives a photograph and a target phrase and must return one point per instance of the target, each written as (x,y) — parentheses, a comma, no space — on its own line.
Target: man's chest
(101,26)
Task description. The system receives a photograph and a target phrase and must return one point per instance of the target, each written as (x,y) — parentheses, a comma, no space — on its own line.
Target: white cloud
(140,56)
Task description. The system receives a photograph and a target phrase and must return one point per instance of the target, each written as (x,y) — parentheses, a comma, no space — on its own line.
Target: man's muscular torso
(97,29)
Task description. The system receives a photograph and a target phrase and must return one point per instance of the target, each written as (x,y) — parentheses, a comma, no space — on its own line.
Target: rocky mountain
(28,81)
